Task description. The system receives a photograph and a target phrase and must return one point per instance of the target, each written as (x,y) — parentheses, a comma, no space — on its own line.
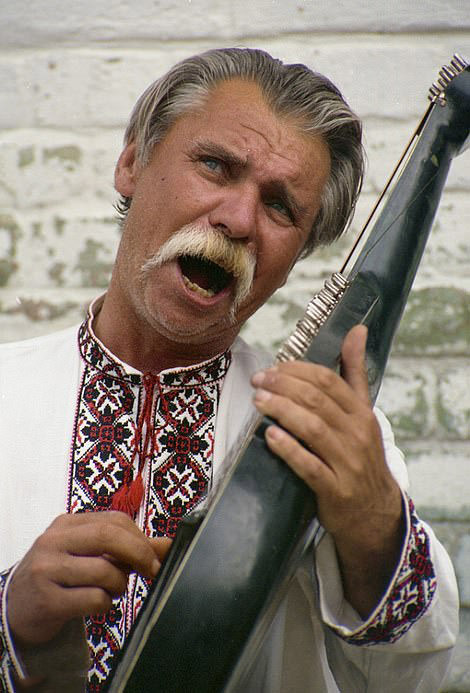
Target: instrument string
(399,166)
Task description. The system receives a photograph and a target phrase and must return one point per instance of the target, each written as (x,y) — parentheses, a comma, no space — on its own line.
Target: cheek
(271,275)
(278,258)
(176,206)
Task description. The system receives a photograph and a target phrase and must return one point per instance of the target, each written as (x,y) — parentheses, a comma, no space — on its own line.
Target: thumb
(353,364)
(161,546)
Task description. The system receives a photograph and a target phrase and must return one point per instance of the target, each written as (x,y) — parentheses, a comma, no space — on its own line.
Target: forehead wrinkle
(258,132)
(268,142)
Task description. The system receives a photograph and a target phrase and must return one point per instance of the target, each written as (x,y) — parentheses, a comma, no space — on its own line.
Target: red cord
(129,497)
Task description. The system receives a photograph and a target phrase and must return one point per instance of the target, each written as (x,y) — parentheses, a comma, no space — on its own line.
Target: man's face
(233,166)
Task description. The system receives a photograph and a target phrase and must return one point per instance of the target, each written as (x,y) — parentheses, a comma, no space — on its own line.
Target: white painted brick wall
(70,73)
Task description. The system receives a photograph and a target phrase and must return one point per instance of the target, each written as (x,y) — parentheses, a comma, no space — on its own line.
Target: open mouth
(203,276)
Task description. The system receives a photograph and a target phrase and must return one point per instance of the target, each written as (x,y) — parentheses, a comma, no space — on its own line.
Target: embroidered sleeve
(409,595)
(8,661)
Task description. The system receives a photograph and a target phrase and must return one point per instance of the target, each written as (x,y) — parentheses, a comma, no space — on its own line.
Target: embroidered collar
(95,354)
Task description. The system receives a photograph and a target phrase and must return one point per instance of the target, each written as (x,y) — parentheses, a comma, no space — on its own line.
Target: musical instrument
(228,570)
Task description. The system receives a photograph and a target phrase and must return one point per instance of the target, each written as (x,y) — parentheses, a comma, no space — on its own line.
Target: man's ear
(125,174)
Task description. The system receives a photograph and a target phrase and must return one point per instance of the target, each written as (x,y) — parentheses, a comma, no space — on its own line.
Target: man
(234,166)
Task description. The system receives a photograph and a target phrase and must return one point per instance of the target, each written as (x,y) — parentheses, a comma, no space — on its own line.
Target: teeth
(208,293)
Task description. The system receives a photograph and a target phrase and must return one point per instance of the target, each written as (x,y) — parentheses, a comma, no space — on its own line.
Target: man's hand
(80,563)
(342,460)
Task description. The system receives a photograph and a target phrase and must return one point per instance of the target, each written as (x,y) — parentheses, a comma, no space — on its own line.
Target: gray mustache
(207,242)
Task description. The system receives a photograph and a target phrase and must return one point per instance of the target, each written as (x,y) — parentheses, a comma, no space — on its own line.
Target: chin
(196,331)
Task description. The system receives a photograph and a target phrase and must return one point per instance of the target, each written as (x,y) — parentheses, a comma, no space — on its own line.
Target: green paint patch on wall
(40,310)
(94,270)
(413,422)
(8,264)
(26,156)
(59,225)
(67,153)
(436,321)
(7,268)
(56,273)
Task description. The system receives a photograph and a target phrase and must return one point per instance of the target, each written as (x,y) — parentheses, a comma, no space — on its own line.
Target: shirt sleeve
(9,663)
(409,594)
(423,569)
(406,642)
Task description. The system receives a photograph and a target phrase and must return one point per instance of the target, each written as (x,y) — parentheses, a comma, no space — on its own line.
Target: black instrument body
(202,624)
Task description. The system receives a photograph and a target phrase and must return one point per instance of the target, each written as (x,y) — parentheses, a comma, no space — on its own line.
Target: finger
(316,387)
(305,464)
(45,620)
(161,546)
(310,428)
(127,548)
(82,601)
(299,390)
(353,364)
(78,571)
(120,520)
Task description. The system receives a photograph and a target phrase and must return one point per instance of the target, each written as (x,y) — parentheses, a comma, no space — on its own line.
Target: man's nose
(235,213)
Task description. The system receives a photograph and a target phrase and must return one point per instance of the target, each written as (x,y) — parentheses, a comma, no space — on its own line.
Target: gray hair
(291,90)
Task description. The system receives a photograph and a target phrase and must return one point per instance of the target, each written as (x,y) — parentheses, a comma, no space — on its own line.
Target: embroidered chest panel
(110,434)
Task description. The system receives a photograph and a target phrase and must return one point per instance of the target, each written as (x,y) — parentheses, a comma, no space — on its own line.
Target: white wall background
(69,75)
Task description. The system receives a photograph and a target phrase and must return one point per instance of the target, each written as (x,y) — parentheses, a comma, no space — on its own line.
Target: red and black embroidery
(159,427)
(410,595)
(4,659)
(6,649)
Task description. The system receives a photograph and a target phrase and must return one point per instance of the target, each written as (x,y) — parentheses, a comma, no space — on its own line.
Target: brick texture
(69,77)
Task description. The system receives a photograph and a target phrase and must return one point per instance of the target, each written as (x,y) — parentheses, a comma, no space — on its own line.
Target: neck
(146,349)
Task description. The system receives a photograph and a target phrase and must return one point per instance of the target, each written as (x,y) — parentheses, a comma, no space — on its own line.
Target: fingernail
(155,566)
(258,378)
(274,433)
(262,395)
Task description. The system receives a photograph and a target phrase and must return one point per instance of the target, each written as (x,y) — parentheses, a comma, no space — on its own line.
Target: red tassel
(129,497)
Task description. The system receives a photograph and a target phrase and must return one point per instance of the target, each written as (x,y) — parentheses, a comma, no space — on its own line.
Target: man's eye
(281,208)
(211,163)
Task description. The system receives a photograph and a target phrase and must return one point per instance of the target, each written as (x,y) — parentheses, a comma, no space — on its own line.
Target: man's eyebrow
(219,151)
